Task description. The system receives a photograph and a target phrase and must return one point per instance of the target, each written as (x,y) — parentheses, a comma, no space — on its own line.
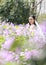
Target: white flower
(22,54)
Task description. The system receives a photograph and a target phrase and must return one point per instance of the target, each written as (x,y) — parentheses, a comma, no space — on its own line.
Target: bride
(33,25)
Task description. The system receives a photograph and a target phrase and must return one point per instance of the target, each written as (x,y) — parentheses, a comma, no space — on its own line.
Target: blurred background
(18,11)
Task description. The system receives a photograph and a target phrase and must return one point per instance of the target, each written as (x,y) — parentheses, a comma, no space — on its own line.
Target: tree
(15,11)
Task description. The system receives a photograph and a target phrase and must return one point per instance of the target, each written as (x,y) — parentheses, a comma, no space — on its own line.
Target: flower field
(20,45)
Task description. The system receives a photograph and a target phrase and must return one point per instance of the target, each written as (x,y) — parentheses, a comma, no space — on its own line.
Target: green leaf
(2,39)
(18,42)
(11,63)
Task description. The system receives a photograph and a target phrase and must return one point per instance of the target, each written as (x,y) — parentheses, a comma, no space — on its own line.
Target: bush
(15,11)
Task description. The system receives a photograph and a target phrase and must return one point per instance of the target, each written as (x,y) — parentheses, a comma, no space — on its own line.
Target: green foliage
(1,40)
(15,11)
(41,17)
(18,42)
(11,63)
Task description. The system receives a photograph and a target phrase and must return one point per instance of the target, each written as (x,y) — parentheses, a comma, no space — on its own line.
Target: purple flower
(8,43)
(17,57)
(6,55)
(43,26)
(28,55)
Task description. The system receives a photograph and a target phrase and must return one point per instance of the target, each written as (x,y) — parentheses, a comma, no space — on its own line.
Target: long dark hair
(34,19)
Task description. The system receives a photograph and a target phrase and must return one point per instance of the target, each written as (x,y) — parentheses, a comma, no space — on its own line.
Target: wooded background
(18,11)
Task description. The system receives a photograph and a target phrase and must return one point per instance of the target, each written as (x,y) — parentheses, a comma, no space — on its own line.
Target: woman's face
(31,20)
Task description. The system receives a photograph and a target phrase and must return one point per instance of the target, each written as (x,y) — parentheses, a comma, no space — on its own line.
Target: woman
(33,25)
(32,20)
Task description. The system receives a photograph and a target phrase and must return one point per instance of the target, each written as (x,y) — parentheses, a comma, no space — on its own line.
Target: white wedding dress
(36,36)
(36,29)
